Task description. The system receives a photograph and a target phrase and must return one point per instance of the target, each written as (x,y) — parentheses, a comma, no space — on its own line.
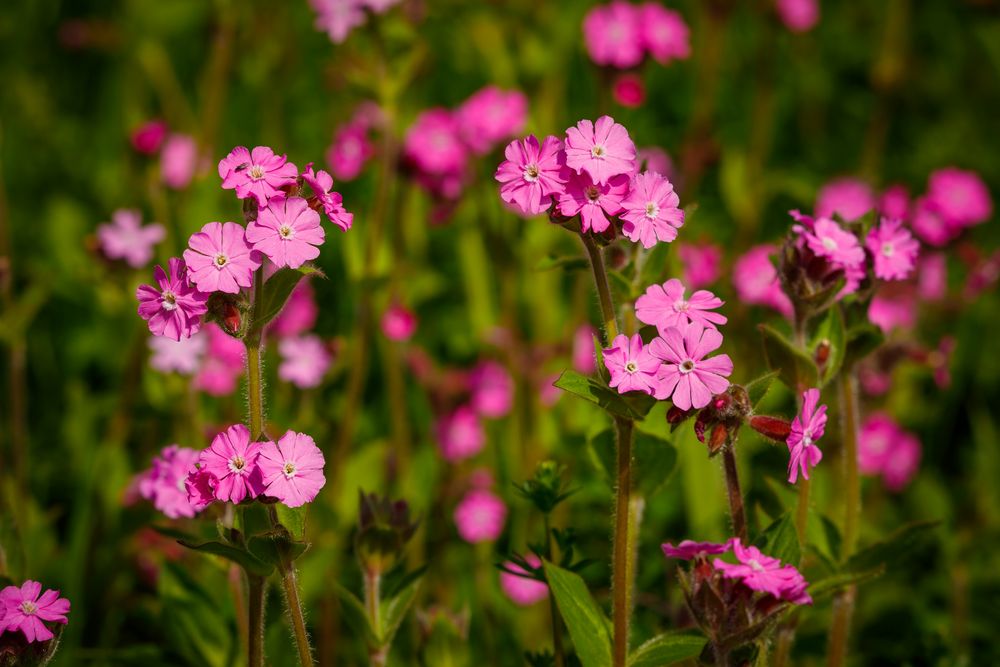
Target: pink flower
(930,225)
(398,323)
(148,137)
(28,609)
(223,364)
(460,434)
(612,34)
(433,144)
(632,365)
(688,377)
(177,356)
(828,239)
(894,248)
(200,486)
(932,276)
(232,460)
(259,174)
(531,173)
(584,357)
(548,393)
(163,484)
(522,590)
(331,202)
(847,197)
(960,196)
(702,263)
(654,158)
(664,33)
(593,202)
(903,463)
(299,314)
(292,469)
(492,389)
(629,90)
(178,161)
(602,150)
(175,309)
(651,210)
(885,448)
(480,516)
(349,152)
(126,238)
(304,361)
(689,550)
(807,427)
(490,116)
(895,202)
(765,574)
(798,15)
(891,309)
(664,306)
(756,280)
(337,18)
(220,258)
(287,231)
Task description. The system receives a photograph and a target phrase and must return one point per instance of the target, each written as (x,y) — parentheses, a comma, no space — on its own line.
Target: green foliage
(277,289)
(795,368)
(667,649)
(588,626)
(779,540)
(634,405)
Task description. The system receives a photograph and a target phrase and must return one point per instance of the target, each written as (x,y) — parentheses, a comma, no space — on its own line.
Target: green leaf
(565,263)
(272,547)
(757,389)
(831,330)
(244,559)
(353,612)
(589,389)
(277,290)
(293,519)
(894,549)
(796,369)
(654,461)
(587,625)
(862,340)
(832,584)
(667,649)
(394,610)
(779,540)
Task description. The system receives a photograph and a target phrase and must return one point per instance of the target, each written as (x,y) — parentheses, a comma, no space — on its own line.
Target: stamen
(169,300)
(221,260)
(652,210)
(597,151)
(256,172)
(289,469)
(687,366)
(631,367)
(531,173)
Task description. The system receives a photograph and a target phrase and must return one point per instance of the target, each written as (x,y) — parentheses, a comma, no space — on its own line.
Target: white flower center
(681,306)
(29,607)
(686,366)
(829,243)
(807,440)
(597,152)
(256,172)
(221,260)
(286,232)
(289,469)
(237,464)
(652,210)
(755,566)
(888,249)
(169,300)
(631,367)
(531,173)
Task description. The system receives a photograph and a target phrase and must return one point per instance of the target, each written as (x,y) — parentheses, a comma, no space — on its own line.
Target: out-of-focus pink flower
(480,516)
(874,381)
(259,173)
(895,202)
(163,483)
(522,590)
(491,116)
(27,609)
(939,361)
(828,239)
(592,202)
(223,363)
(629,90)
(651,210)
(894,248)
(148,137)
(126,238)
(178,161)
(177,356)
(932,276)
(702,263)
(959,196)
(531,174)
(655,159)
(288,232)
(632,365)
(584,356)
(930,225)
(798,15)
(200,486)
(664,33)
(548,393)
(688,549)
(299,314)
(232,460)
(689,377)
(337,18)
(891,309)
(847,197)
(492,389)
(602,149)
(613,36)
(765,574)
(304,361)
(349,152)
(460,434)
(220,258)
(884,448)
(664,306)
(331,202)
(807,427)
(292,469)
(433,144)
(983,276)
(398,322)
(756,280)
(176,308)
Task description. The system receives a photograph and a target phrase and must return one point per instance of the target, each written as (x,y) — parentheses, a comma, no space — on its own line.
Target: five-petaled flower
(664,306)
(632,365)
(894,248)
(331,202)
(232,460)
(531,174)
(27,609)
(292,469)
(220,258)
(807,427)
(593,202)
(287,231)
(259,173)
(688,377)
(651,210)
(175,309)
(602,149)
(764,574)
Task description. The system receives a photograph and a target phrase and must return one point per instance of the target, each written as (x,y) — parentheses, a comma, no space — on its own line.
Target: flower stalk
(557,648)
(736,510)
(255,646)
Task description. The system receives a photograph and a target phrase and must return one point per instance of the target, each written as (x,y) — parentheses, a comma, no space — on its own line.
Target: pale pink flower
(259,173)
(807,427)
(895,202)
(178,161)
(460,434)
(828,239)
(632,366)
(177,356)
(491,116)
(654,158)
(349,152)
(628,90)
(292,469)
(331,202)
(299,314)
(894,248)
(232,460)
(756,280)
(593,203)
(651,210)
(337,18)
(902,464)
(531,174)
(885,448)
(689,550)
(849,198)
(664,33)
(664,306)
(548,393)
(433,144)
(932,276)
(164,483)
(492,389)
(702,263)
(148,137)
(398,322)
(764,574)
(612,34)
(126,238)
(602,149)
(892,309)
(798,15)
(690,378)
(175,309)
(959,196)
(27,609)
(304,361)
(521,590)
(223,363)
(480,516)
(584,356)
(930,225)
(220,259)
(287,231)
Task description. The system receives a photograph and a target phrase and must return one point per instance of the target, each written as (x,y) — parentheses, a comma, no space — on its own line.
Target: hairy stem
(373,586)
(557,648)
(622,563)
(255,646)
(736,511)
(603,288)
(290,585)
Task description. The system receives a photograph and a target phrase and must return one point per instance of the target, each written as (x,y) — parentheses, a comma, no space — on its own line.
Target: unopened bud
(774,428)
(675,415)
(822,352)
(718,438)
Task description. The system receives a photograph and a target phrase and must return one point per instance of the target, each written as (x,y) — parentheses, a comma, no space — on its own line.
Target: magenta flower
(222,365)
(480,516)
(175,309)
(702,263)
(798,15)
(632,366)
(612,34)
(601,149)
(148,137)
(164,483)
(847,197)
(764,574)
(349,152)
(259,173)
(398,323)
(126,238)
(200,486)
(885,448)
(651,210)
(689,550)
(688,377)
(664,306)
(959,196)
(331,202)
(299,314)
(27,609)
(304,361)
(930,225)
(460,434)
(492,389)
(664,33)
(894,248)
(433,145)
(232,460)
(292,469)
(491,116)
(337,18)
(178,161)
(756,280)
(531,174)
(654,158)
(593,202)
(173,356)
(287,231)
(932,276)
(220,258)
(807,427)
(521,590)
(584,358)
(629,90)
(895,202)
(903,462)
(891,309)
(828,239)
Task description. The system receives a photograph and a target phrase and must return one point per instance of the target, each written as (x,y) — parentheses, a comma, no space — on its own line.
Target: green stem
(373,585)
(622,563)
(255,646)
(603,288)
(557,647)
(736,511)
(291,587)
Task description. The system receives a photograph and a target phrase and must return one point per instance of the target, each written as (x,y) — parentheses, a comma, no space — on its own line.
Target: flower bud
(774,428)
(545,490)
(383,532)
(718,438)
(822,353)
(676,416)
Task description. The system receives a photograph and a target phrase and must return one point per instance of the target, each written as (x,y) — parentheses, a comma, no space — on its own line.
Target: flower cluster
(886,449)
(180,158)
(26,609)
(620,34)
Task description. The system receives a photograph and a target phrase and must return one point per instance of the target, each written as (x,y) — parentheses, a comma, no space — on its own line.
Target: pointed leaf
(630,407)
(293,519)
(862,340)
(836,582)
(353,611)
(796,369)
(277,289)
(757,389)
(894,549)
(780,540)
(272,547)
(831,331)
(395,608)
(587,625)
(667,649)
(242,558)
(654,461)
